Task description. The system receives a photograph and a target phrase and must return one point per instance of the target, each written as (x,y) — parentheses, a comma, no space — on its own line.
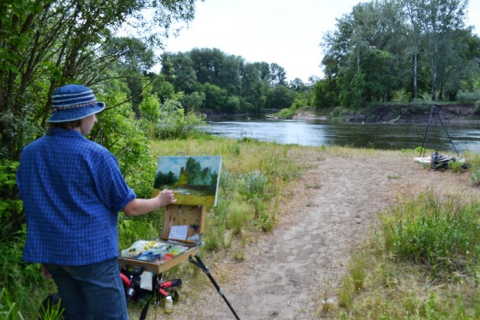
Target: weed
(316,185)
(346,293)
(357,272)
(394,176)
(252,184)
(475,177)
(8,309)
(237,217)
(456,166)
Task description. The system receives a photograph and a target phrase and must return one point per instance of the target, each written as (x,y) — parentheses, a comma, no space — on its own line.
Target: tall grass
(441,236)
(421,263)
(253,176)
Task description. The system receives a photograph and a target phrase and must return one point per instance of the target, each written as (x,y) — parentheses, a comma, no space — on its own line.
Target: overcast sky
(286,32)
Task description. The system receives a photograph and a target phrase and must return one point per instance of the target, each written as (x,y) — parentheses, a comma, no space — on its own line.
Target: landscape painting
(194,179)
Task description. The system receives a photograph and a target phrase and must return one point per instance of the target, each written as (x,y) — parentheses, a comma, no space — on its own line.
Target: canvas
(194,179)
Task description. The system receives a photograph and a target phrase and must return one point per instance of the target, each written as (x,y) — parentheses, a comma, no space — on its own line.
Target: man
(72,190)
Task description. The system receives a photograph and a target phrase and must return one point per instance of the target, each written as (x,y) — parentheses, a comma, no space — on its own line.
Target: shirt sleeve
(110,183)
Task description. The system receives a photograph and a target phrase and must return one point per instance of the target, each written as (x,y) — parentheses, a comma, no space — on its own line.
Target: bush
(175,124)
(253,183)
(442,236)
(475,177)
(468,96)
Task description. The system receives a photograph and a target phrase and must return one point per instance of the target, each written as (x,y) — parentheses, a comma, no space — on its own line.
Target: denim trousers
(91,292)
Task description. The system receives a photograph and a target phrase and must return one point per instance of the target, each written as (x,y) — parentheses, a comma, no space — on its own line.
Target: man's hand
(45,272)
(166,197)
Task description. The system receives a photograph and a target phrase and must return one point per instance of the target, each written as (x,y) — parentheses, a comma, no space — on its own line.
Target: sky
(285,32)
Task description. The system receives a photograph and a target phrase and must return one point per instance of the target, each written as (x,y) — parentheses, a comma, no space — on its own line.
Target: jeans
(91,292)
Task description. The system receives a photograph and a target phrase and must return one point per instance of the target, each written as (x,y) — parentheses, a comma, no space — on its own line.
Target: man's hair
(69,125)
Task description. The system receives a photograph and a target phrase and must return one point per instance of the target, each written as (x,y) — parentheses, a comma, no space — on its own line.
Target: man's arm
(138,207)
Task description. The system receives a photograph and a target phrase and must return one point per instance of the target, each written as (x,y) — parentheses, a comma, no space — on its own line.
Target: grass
(421,262)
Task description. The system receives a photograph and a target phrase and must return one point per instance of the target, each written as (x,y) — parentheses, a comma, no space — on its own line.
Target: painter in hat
(70,104)
(72,191)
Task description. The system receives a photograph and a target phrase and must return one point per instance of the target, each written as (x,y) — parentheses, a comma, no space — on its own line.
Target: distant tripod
(433,113)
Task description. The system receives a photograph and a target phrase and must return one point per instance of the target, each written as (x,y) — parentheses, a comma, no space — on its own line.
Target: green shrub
(442,236)
(456,166)
(475,177)
(468,96)
(252,183)
(175,124)
(286,113)
(8,308)
(10,206)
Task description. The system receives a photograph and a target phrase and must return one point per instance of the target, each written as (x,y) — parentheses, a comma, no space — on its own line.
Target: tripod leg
(199,263)
(432,113)
(448,136)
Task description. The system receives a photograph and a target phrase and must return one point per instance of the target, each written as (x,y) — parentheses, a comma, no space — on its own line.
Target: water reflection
(378,136)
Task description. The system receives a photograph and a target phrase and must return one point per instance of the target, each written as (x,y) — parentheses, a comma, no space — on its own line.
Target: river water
(440,137)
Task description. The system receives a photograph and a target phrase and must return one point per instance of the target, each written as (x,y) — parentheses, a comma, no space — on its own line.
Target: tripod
(199,263)
(434,113)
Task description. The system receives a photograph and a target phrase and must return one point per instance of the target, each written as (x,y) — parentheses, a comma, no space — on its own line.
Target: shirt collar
(58,132)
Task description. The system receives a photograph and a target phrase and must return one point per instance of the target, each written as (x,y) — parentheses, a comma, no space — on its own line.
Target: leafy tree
(45,44)
(278,76)
(280,97)
(298,85)
(193,102)
(323,96)
(402,45)
(178,69)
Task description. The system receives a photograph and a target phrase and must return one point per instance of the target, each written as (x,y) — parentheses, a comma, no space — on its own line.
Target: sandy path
(286,273)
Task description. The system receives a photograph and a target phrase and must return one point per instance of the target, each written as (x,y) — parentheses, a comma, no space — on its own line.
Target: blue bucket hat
(74,102)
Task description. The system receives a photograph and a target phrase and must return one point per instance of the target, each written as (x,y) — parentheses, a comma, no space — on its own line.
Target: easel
(194,217)
(433,115)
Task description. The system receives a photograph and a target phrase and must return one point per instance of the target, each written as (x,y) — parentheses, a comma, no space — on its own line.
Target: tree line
(215,82)
(399,50)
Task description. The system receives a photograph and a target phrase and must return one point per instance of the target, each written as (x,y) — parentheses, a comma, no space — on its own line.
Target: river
(441,137)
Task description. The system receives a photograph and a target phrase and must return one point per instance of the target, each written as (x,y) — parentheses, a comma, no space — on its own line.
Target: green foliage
(442,236)
(456,166)
(118,132)
(252,184)
(287,113)
(400,48)
(8,308)
(193,102)
(280,97)
(468,96)
(228,83)
(401,96)
(146,227)
(47,44)
(51,312)
(353,96)
(9,205)
(475,177)
(323,96)
(174,124)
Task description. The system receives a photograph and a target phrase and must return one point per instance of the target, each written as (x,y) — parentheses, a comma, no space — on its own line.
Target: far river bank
(453,114)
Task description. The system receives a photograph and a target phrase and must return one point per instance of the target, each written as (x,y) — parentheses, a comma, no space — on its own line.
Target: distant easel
(434,114)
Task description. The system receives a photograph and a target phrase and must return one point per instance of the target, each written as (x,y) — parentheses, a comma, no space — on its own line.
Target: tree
(442,16)
(278,76)
(178,69)
(45,44)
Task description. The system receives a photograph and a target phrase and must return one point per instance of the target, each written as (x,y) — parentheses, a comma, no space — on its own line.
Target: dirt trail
(286,273)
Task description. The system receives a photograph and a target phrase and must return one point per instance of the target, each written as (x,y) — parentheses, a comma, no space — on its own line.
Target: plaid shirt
(72,190)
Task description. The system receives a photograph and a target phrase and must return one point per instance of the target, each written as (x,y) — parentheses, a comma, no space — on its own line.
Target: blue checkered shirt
(72,190)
